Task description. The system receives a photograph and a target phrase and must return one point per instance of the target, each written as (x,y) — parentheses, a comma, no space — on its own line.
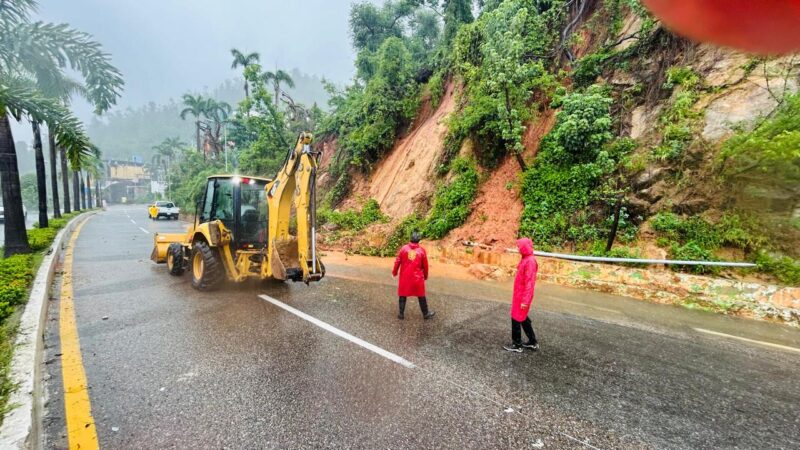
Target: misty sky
(167,47)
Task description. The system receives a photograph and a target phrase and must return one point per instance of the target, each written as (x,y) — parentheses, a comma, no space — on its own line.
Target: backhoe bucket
(285,260)
(161,243)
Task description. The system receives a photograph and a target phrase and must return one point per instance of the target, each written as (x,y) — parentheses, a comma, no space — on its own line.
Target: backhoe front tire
(175,263)
(206,266)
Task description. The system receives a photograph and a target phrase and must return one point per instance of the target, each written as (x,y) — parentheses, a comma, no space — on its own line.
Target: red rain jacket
(412,263)
(525,281)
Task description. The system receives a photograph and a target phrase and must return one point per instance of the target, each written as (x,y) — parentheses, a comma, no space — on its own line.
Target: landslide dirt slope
(497,208)
(406,178)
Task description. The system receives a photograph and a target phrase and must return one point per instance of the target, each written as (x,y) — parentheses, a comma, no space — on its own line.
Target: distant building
(127,181)
(126,170)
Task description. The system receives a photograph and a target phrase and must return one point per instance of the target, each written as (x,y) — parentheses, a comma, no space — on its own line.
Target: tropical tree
(62,155)
(39,52)
(17,99)
(217,113)
(92,165)
(196,106)
(31,55)
(244,60)
(276,78)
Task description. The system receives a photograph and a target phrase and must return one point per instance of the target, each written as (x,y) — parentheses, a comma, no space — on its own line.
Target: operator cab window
(205,215)
(253,212)
(223,199)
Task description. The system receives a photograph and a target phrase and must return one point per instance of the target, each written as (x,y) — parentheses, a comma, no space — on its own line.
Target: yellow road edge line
(81,431)
(752,341)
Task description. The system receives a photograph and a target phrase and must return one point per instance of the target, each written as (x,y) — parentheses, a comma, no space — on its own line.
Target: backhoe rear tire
(175,263)
(206,266)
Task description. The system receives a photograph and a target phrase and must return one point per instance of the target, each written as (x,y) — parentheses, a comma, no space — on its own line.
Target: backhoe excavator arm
(290,257)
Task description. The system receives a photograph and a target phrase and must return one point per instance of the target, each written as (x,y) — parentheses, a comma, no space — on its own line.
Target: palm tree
(18,98)
(276,78)
(31,52)
(82,188)
(55,85)
(217,113)
(196,106)
(91,166)
(242,60)
(64,178)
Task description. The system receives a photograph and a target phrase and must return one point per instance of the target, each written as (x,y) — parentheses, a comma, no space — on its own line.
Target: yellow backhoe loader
(243,227)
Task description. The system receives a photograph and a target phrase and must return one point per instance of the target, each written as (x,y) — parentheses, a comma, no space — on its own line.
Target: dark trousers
(516,334)
(423,305)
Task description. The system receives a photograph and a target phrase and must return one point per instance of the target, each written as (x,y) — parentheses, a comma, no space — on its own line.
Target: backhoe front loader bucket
(285,260)
(161,243)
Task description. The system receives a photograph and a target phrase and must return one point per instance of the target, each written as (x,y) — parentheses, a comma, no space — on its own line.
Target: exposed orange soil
(328,149)
(406,178)
(497,209)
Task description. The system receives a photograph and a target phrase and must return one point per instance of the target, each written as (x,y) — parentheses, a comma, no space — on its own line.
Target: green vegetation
(403,46)
(785,269)
(696,239)
(679,120)
(353,220)
(565,179)
(501,59)
(398,237)
(452,203)
(772,147)
(34,57)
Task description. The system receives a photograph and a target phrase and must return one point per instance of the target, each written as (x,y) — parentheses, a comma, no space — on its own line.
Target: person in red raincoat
(412,265)
(524,283)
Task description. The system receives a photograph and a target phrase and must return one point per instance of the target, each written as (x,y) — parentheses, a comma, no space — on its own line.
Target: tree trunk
(16,238)
(612,235)
(197,132)
(88,190)
(517,154)
(521,161)
(76,191)
(98,198)
(82,187)
(277,91)
(53,174)
(65,179)
(41,176)
(246,89)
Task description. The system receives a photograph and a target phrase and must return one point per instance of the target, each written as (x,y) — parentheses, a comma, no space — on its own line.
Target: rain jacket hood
(525,281)
(525,246)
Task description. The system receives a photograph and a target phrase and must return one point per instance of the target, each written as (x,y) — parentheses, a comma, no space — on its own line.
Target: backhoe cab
(243,227)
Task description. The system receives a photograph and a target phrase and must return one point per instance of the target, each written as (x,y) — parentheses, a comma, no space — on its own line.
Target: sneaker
(531,346)
(401,316)
(429,315)
(513,348)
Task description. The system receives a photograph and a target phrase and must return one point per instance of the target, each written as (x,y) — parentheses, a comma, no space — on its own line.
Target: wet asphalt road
(174,368)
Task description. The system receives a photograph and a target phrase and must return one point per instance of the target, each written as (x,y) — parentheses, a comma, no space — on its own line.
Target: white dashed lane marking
(343,334)
(752,341)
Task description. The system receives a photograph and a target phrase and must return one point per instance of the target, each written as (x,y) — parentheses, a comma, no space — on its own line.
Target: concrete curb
(21,427)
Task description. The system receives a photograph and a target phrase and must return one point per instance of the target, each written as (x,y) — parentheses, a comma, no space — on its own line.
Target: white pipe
(642,261)
(626,260)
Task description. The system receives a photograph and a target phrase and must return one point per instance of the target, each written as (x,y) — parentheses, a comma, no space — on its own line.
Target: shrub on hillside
(452,203)
(785,269)
(351,219)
